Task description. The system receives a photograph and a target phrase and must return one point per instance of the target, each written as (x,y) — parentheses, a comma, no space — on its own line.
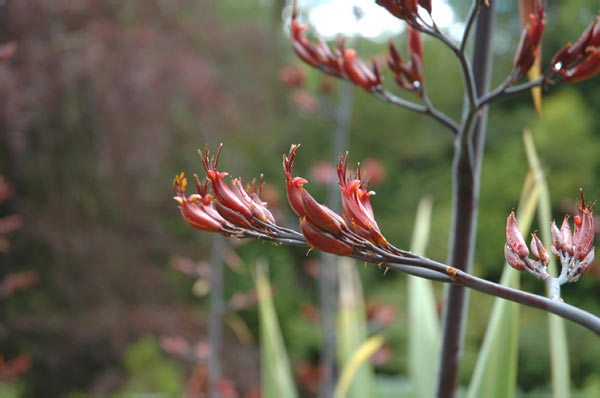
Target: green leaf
(424,328)
(559,352)
(277,379)
(352,328)
(495,372)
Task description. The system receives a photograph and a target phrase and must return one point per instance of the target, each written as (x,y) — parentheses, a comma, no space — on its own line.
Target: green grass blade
(277,379)
(495,372)
(559,352)
(424,327)
(352,327)
(359,356)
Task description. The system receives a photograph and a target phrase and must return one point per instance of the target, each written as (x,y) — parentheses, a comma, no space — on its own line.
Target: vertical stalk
(327,280)
(217,307)
(466,172)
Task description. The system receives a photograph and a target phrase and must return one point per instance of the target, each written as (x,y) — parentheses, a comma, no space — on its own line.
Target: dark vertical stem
(327,280)
(217,308)
(465,196)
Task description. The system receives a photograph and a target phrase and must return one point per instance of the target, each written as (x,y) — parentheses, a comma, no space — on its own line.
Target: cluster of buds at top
(529,45)
(339,62)
(574,249)
(581,60)
(408,76)
(407,10)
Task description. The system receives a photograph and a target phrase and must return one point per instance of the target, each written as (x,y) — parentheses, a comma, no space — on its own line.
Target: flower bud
(513,259)
(567,238)
(556,240)
(514,239)
(224,194)
(538,250)
(587,261)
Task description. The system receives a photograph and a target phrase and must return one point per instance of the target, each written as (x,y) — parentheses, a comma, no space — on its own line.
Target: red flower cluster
(323,228)
(580,61)
(410,76)
(318,223)
(405,9)
(340,62)
(235,211)
(574,250)
(531,37)
(231,208)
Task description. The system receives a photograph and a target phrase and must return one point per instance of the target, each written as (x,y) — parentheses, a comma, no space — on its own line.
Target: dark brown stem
(465,196)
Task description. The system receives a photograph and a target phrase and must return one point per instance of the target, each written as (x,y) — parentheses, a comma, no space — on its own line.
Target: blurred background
(106,288)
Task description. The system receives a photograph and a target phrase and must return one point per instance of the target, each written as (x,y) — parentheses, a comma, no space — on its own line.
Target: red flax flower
(405,9)
(356,205)
(340,62)
(192,208)
(318,223)
(581,60)
(529,45)
(409,76)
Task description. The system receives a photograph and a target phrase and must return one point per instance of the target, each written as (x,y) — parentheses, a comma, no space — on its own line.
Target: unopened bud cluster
(573,249)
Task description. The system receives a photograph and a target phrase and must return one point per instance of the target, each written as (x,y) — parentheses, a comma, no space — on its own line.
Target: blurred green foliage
(149,371)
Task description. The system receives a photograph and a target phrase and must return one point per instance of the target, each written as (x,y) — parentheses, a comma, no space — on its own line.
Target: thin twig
(504,90)
(469,25)
(427,109)
(437,114)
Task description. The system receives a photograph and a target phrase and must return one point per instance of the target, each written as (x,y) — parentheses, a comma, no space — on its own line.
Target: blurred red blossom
(14,368)
(292,76)
(323,173)
(305,101)
(18,281)
(309,376)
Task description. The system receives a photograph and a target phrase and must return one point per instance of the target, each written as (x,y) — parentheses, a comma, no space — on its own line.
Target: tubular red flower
(293,184)
(408,76)
(322,240)
(193,213)
(304,204)
(581,60)
(514,239)
(586,69)
(359,217)
(530,39)
(223,193)
(357,72)
(258,206)
(404,9)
